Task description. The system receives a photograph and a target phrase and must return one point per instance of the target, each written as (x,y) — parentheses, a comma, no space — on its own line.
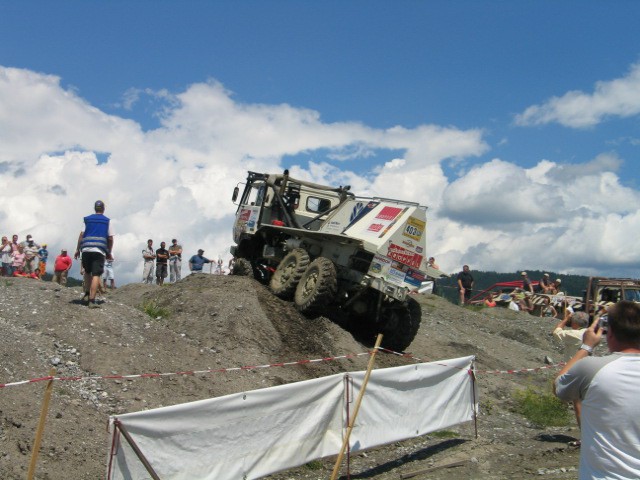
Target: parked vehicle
(602,292)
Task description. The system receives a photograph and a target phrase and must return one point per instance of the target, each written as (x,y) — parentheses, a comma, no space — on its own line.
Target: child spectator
(490,301)
(547,310)
(17,261)
(108,274)
(43,253)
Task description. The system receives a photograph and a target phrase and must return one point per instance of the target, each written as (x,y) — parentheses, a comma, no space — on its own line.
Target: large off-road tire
(317,287)
(289,272)
(400,322)
(242,267)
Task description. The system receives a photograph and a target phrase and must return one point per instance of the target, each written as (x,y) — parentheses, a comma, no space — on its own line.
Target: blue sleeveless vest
(96,231)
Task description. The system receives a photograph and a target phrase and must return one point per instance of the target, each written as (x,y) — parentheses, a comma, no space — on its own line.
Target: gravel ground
(219,322)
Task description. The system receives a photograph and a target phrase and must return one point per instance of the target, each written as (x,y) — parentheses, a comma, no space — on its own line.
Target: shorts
(93,263)
(161,270)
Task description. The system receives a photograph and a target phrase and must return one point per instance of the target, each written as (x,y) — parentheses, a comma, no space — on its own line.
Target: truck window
(318,205)
(255,196)
(632,295)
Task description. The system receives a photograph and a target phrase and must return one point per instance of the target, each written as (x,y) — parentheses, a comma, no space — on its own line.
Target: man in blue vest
(95,243)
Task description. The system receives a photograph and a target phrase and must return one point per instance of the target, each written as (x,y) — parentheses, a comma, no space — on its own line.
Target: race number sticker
(414,228)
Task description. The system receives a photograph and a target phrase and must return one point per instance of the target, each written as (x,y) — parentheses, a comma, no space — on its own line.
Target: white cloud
(575,109)
(568,218)
(177,180)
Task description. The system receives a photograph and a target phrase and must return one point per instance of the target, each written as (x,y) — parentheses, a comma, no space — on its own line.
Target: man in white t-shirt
(609,388)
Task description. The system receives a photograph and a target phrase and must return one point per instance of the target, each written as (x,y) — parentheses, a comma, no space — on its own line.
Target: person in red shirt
(61,267)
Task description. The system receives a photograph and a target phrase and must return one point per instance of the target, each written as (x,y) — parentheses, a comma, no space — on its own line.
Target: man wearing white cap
(526,283)
(545,284)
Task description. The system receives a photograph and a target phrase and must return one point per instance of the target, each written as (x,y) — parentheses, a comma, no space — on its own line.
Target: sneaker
(93,305)
(85,298)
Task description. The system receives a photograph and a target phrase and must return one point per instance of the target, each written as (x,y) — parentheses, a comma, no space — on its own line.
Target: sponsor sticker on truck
(402,255)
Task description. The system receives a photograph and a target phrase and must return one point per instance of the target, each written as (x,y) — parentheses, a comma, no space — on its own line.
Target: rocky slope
(217,322)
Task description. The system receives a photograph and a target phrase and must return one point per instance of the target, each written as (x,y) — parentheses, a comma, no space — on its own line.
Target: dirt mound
(207,322)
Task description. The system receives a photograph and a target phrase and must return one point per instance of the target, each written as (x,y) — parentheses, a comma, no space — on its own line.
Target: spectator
(149,256)
(489,300)
(555,287)
(220,267)
(14,243)
(5,257)
(513,303)
(520,298)
(526,283)
(545,286)
(17,261)
(465,284)
(108,274)
(162,263)
(547,310)
(571,339)
(175,261)
(95,243)
(432,263)
(197,261)
(61,267)
(30,250)
(43,253)
(609,388)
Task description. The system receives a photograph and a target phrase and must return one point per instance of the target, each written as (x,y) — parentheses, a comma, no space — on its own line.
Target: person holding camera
(609,388)
(571,338)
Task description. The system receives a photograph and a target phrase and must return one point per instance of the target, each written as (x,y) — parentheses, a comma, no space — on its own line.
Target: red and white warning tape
(520,370)
(189,372)
(255,367)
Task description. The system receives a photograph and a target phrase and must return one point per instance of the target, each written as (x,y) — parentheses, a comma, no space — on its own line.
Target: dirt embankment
(218,322)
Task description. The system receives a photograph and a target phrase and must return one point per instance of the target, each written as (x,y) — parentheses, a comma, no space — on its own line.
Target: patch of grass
(154,310)
(314,465)
(7,283)
(475,308)
(444,434)
(543,409)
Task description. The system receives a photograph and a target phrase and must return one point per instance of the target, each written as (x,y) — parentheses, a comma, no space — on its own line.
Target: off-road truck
(603,292)
(332,252)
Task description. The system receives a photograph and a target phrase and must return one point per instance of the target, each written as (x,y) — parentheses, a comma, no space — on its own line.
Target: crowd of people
(168,262)
(29,259)
(519,298)
(23,259)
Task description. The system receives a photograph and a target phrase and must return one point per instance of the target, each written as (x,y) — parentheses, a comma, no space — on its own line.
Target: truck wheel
(242,267)
(317,287)
(289,272)
(401,324)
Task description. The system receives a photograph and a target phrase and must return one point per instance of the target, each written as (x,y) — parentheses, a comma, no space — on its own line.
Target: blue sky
(495,114)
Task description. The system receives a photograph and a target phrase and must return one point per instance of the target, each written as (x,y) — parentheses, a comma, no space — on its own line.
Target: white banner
(253,434)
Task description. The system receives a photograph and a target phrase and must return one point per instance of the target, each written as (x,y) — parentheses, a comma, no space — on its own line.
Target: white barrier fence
(252,434)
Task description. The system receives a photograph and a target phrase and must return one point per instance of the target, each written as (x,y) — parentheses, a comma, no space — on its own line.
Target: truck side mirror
(234,197)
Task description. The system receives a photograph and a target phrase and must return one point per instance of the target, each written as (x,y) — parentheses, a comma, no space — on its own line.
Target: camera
(603,323)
